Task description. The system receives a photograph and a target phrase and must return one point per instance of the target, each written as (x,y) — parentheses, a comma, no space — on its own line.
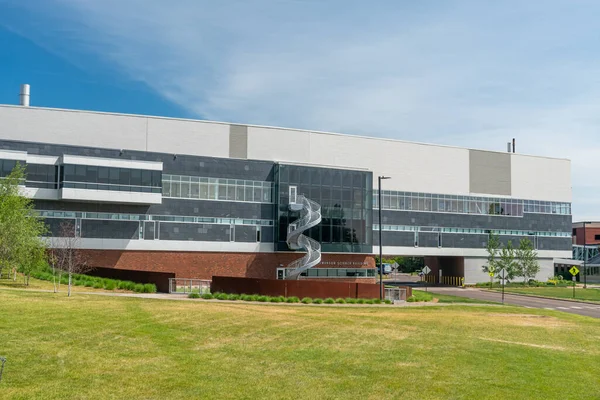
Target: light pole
(379,179)
(584,257)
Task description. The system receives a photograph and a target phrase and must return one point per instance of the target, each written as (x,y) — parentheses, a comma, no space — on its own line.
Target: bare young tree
(69,256)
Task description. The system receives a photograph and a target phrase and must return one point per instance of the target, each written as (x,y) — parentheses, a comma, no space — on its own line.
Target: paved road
(590,310)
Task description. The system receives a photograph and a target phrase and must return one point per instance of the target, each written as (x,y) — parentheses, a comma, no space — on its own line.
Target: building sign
(345,263)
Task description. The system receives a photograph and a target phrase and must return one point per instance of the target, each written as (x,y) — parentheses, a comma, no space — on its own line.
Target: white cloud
(463,73)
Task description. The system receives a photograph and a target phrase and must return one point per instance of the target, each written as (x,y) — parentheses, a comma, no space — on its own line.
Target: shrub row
(97,282)
(281,299)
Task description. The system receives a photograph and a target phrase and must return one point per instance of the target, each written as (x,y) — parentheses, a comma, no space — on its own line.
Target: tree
(53,261)
(527,260)
(492,247)
(21,229)
(507,261)
(69,257)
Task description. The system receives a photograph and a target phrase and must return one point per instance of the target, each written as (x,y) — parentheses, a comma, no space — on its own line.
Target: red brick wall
(205,265)
(590,236)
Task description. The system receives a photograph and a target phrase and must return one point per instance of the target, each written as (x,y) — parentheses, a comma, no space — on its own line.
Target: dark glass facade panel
(6,167)
(42,176)
(108,178)
(346,206)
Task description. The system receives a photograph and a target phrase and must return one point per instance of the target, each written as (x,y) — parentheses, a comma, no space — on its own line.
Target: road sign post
(425,271)
(503,275)
(574,271)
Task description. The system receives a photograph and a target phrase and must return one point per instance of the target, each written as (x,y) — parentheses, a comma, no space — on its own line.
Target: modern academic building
(194,199)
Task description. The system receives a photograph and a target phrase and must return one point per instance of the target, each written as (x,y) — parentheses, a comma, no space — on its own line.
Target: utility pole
(379,179)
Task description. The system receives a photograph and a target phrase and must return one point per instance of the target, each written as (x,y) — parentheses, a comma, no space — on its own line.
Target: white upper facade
(413,167)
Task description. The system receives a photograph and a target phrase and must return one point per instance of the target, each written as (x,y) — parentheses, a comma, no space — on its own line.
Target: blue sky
(466,73)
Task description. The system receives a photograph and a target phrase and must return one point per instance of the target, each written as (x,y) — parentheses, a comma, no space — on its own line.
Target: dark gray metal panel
(464,241)
(554,243)
(109,229)
(529,222)
(489,172)
(172,163)
(245,233)
(238,141)
(53,225)
(395,239)
(149,230)
(428,239)
(266,234)
(194,232)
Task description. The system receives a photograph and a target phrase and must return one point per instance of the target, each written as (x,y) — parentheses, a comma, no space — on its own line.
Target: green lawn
(99,347)
(445,298)
(558,292)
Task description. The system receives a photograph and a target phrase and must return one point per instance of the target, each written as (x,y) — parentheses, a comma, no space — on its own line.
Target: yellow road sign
(574,270)
(491,274)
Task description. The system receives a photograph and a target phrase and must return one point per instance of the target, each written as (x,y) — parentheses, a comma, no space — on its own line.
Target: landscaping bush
(292,299)
(110,286)
(193,296)
(318,301)
(360,301)
(149,288)
(262,299)
(221,296)
(246,297)
(350,300)
(369,301)
(275,300)
(376,301)
(329,300)
(306,300)
(388,301)
(207,296)
(254,297)
(234,297)
(138,288)
(97,285)
(340,301)
(88,284)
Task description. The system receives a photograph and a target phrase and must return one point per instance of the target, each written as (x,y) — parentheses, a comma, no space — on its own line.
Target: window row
(404,228)
(111,175)
(410,201)
(147,217)
(337,272)
(201,188)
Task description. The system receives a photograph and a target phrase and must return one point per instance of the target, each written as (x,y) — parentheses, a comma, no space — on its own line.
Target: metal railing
(458,281)
(395,294)
(297,240)
(186,286)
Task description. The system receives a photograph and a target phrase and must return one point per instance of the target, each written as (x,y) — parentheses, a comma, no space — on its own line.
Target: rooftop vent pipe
(24,95)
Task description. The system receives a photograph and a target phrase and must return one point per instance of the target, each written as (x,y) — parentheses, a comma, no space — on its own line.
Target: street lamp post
(584,257)
(379,179)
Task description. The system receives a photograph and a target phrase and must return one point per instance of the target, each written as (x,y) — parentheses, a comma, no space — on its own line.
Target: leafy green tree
(507,261)
(492,247)
(21,229)
(527,260)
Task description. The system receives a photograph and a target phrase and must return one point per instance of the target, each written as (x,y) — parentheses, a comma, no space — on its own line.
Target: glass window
(146,178)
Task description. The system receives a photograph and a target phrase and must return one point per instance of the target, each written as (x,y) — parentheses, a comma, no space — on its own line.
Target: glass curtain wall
(346,203)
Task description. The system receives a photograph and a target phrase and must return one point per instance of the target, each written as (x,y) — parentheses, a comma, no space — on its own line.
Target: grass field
(98,347)
(558,292)
(445,298)
(37,284)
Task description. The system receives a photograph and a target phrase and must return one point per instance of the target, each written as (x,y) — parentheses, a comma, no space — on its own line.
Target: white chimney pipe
(508,147)
(24,96)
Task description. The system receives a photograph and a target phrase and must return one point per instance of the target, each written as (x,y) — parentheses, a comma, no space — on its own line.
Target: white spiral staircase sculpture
(310,216)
